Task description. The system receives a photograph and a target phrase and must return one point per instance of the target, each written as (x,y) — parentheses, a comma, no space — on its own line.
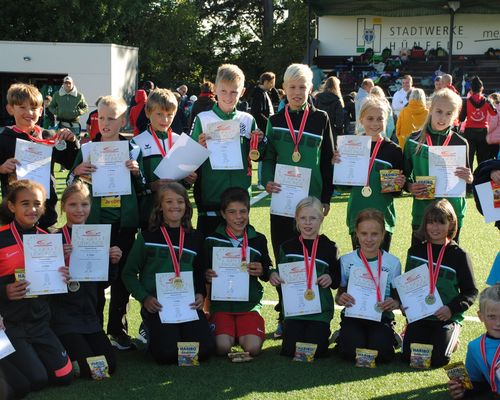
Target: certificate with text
(352,170)
(112,177)
(232,282)
(443,161)
(486,196)
(43,256)
(176,300)
(34,159)
(6,347)
(223,141)
(295,182)
(294,287)
(89,260)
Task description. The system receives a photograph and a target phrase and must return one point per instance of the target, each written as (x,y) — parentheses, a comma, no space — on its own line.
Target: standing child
(74,314)
(385,155)
(437,131)
(451,269)
(40,357)
(229,87)
(238,321)
(362,333)
(324,258)
(122,212)
(169,245)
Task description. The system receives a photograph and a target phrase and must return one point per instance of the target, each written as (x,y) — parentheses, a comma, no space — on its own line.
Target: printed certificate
(294,183)
(6,347)
(112,177)
(354,160)
(223,141)
(35,159)
(443,161)
(486,197)
(232,282)
(176,301)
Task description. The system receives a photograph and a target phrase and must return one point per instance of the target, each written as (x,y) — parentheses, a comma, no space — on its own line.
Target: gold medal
(295,156)
(309,295)
(177,282)
(430,299)
(366,191)
(254,155)
(244,266)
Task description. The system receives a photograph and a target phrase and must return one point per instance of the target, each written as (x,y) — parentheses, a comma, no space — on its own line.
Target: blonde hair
(163,99)
(19,93)
(76,187)
(494,98)
(490,294)
(418,95)
(230,73)
(308,202)
(373,102)
(332,84)
(298,71)
(114,102)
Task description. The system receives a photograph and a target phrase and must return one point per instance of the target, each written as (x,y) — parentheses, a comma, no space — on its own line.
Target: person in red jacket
(475,111)
(140,101)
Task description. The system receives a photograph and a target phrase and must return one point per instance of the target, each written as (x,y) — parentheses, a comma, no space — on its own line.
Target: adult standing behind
(447,82)
(142,121)
(475,111)
(68,104)
(400,98)
(205,101)
(330,100)
(140,101)
(364,90)
(412,117)
(379,93)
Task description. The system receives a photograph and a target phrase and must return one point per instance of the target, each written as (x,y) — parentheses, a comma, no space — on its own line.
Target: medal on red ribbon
(176,262)
(434,272)
(491,369)
(367,190)
(445,143)
(254,142)
(376,282)
(296,138)
(157,140)
(309,263)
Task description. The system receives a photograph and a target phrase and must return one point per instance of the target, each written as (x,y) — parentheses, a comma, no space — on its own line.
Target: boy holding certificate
(25,104)
(318,258)
(451,281)
(121,211)
(170,249)
(235,258)
(39,357)
(234,140)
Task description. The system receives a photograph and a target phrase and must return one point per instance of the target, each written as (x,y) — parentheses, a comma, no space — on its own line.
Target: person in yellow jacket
(412,117)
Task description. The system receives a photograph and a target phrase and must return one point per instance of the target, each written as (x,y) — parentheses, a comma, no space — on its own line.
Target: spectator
(412,117)
(446,82)
(48,119)
(205,102)
(378,92)
(142,121)
(140,101)
(93,121)
(330,100)
(493,137)
(349,113)
(400,98)
(262,107)
(365,89)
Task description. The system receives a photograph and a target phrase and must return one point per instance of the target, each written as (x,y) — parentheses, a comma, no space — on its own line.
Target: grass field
(273,377)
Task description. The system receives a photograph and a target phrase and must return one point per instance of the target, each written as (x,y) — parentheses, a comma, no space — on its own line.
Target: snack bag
(20,275)
(187,355)
(98,367)
(239,356)
(304,352)
(496,194)
(430,181)
(420,356)
(387,177)
(457,372)
(365,358)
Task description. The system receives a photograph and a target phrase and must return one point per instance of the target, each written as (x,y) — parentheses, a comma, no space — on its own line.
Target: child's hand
(66,134)
(198,302)
(67,249)
(16,290)
(133,167)
(400,180)
(389,304)
(65,273)
(259,133)
(345,299)
(9,166)
(210,274)
(202,139)
(156,185)
(465,174)
(191,178)
(273,187)
(417,189)
(494,176)
(274,279)
(152,305)
(443,314)
(85,168)
(255,269)
(115,254)
(456,389)
(324,281)
(336,157)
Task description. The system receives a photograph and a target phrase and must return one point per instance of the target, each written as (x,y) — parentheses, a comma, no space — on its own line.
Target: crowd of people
(57,337)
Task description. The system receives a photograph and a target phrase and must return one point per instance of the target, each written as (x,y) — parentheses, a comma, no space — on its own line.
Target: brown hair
(19,93)
(234,194)
(76,187)
(161,98)
(370,214)
(206,87)
(438,211)
(332,84)
(156,218)
(6,216)
(266,77)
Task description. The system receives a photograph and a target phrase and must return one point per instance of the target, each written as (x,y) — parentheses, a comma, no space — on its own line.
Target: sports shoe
(121,342)
(142,339)
(279,330)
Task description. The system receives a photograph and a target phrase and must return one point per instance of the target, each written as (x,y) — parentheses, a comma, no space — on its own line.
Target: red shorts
(238,324)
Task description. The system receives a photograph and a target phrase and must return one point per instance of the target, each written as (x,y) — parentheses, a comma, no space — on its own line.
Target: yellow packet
(111,202)
(20,275)
(187,355)
(430,181)
(305,352)
(457,372)
(387,180)
(365,358)
(98,367)
(420,356)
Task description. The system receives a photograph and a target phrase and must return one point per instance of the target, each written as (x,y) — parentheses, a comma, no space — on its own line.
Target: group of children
(152,233)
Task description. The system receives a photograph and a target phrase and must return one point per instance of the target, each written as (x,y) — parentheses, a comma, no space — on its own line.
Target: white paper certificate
(6,347)
(175,301)
(232,283)
(183,158)
(43,256)
(443,161)
(223,141)
(89,260)
(354,160)
(112,177)
(485,193)
(35,161)
(413,288)
(295,284)
(364,291)
(294,183)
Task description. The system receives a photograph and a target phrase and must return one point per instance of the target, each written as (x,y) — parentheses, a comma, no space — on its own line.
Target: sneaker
(142,338)
(121,342)
(279,330)
(334,337)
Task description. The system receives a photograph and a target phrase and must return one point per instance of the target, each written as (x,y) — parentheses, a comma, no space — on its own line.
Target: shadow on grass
(427,393)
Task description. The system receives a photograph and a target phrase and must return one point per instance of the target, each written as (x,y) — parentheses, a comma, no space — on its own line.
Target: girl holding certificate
(74,314)
(437,131)
(39,357)
(385,178)
(373,297)
(320,256)
(170,246)
(450,280)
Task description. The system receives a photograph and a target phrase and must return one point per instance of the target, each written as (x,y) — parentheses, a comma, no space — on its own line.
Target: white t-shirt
(399,101)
